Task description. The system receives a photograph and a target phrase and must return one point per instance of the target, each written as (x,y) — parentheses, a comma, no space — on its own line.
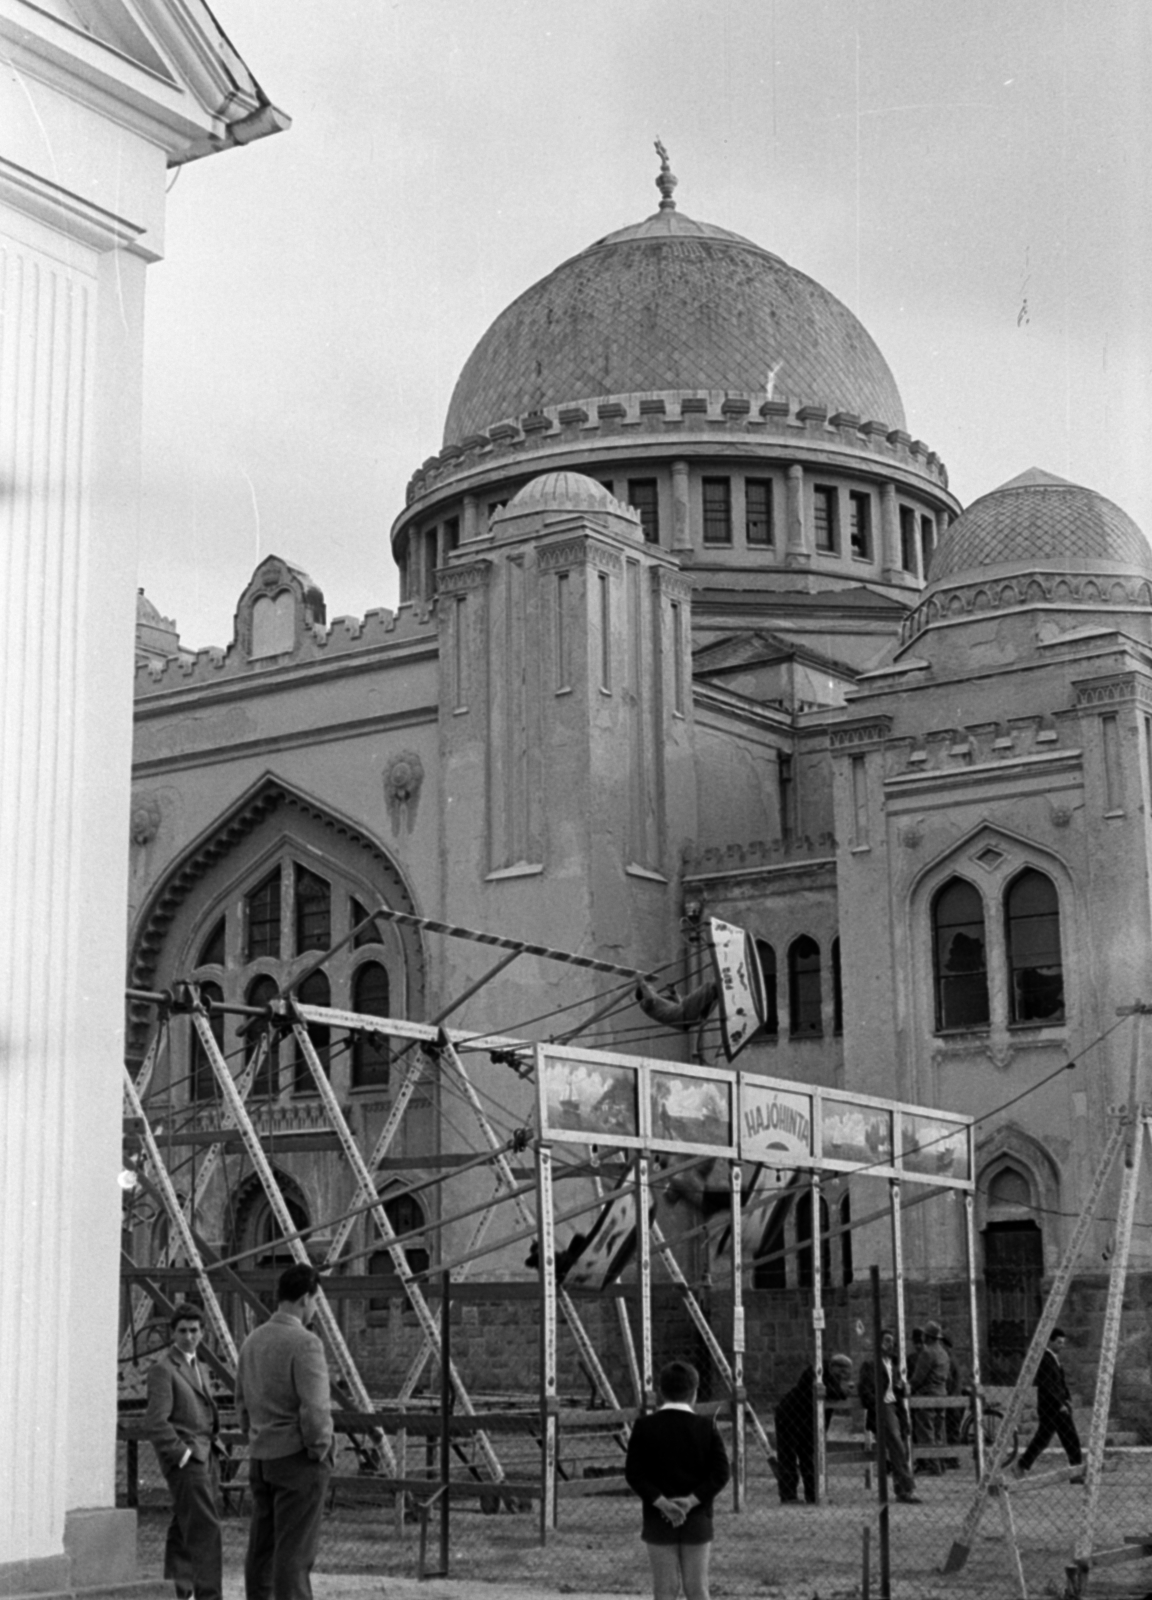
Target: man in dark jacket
(796,1427)
(1053,1408)
(183,1423)
(883,1400)
(284,1407)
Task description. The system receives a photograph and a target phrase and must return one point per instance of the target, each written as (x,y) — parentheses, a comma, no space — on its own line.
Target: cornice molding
(459,580)
(865,731)
(1116,689)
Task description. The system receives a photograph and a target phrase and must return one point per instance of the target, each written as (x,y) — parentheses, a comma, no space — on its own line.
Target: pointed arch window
(767,956)
(262,906)
(314,991)
(406,1215)
(202,1077)
(313,912)
(960,957)
(804,988)
(1032,939)
(212,950)
(371,996)
(261,991)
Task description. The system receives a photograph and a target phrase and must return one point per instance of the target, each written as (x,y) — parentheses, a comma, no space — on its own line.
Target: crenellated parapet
(311,644)
(702,417)
(976,744)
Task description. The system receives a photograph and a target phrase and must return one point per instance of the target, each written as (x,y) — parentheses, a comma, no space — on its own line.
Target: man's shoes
(1017,1470)
(1077,1477)
(910,1499)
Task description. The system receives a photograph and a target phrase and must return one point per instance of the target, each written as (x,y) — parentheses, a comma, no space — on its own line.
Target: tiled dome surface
(671,304)
(1041,521)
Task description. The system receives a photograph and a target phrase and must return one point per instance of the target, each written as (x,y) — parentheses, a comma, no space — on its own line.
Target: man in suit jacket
(284,1407)
(882,1396)
(1053,1408)
(183,1424)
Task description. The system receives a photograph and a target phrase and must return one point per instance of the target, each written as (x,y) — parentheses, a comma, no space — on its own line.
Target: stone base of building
(98,1559)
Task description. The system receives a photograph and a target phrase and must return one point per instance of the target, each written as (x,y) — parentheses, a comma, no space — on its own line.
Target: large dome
(672,305)
(1040,522)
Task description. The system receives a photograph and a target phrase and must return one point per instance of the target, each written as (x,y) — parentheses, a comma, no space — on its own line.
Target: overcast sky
(970,176)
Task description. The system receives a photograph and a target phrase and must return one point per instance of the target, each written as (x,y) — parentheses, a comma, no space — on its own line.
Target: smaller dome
(145,610)
(564,491)
(1038,522)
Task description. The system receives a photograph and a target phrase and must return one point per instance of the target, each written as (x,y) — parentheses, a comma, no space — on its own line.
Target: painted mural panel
(853,1131)
(934,1146)
(687,1110)
(593,1098)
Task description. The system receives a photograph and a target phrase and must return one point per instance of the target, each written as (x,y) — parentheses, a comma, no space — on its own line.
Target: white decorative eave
(184,87)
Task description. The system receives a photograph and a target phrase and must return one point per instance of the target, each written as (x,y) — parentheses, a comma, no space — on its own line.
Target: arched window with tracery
(1032,940)
(960,962)
(805,1020)
(263,930)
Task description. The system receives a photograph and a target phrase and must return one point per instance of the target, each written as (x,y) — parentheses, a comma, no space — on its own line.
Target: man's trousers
(193,1551)
(287,1511)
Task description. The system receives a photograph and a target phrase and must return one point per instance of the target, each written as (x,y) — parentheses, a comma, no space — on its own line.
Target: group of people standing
(676,1461)
(285,1411)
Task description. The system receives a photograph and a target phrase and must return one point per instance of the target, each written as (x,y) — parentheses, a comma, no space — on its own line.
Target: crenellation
(671,411)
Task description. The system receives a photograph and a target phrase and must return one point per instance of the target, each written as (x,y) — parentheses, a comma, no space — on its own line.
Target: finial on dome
(667,180)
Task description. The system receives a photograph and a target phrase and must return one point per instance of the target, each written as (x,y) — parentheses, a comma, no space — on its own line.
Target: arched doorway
(1013,1274)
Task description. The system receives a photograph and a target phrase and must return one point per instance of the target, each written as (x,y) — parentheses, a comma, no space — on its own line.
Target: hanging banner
(740,981)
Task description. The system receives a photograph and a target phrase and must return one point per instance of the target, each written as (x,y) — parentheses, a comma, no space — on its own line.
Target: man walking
(183,1424)
(283,1404)
(1053,1409)
(882,1396)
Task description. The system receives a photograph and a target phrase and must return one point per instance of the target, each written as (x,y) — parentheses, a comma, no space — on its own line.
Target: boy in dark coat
(677,1464)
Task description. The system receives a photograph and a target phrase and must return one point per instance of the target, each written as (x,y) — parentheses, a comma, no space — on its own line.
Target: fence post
(880,1386)
(446,1396)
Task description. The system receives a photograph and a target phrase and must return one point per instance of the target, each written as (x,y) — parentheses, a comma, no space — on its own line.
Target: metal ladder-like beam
(994,1460)
(178,1221)
(366,1193)
(325,1316)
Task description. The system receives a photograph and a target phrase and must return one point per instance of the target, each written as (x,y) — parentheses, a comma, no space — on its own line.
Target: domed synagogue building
(690,625)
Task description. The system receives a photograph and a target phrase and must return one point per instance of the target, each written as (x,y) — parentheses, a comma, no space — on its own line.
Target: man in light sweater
(283,1404)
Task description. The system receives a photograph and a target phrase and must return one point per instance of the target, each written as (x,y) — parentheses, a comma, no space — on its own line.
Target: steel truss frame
(447,1049)
(1132,1125)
